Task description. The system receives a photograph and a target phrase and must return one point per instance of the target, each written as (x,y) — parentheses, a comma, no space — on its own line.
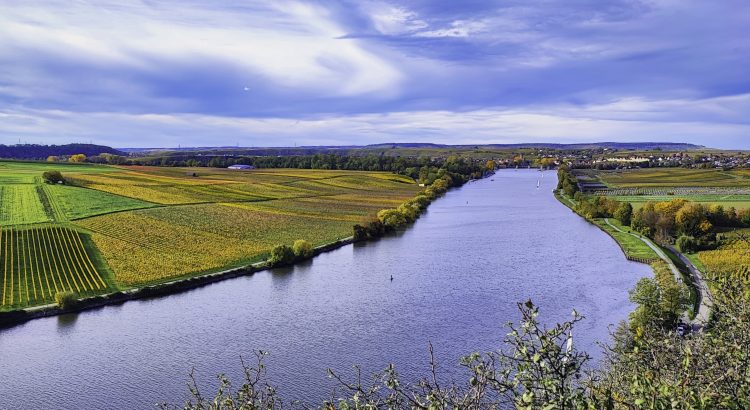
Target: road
(660,253)
(704,309)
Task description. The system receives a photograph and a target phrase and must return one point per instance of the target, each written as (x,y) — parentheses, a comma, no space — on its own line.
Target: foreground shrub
(281,255)
(66,299)
(52,177)
(302,249)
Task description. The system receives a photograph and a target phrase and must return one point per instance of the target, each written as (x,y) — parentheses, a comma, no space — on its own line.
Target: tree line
(41,152)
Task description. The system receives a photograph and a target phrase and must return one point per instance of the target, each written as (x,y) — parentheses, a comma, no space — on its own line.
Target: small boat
(537,184)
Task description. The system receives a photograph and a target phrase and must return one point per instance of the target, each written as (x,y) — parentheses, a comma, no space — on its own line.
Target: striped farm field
(674,177)
(41,261)
(159,244)
(108,228)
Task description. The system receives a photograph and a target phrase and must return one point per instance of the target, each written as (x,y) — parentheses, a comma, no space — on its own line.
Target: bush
(52,177)
(687,244)
(359,233)
(391,218)
(281,255)
(302,249)
(66,299)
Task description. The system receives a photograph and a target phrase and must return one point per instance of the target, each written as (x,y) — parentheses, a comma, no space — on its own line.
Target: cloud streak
(143,73)
(673,121)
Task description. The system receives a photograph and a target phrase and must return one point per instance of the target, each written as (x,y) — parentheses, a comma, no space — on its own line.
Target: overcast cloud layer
(272,73)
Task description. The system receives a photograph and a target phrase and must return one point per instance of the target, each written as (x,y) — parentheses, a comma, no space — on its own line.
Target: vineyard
(37,263)
(675,177)
(730,260)
(143,225)
(162,243)
(708,186)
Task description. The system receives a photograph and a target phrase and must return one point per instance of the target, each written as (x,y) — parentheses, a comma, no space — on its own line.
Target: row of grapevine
(650,191)
(39,262)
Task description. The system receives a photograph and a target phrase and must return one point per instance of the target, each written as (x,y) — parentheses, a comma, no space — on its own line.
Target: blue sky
(275,72)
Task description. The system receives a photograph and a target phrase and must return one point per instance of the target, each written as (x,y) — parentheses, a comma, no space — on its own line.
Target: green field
(70,202)
(675,177)
(706,186)
(631,246)
(112,228)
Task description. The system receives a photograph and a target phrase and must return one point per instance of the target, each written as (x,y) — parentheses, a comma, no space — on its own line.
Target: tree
(281,255)
(52,177)
(391,218)
(53,158)
(689,218)
(490,165)
(687,244)
(302,249)
(77,158)
(624,213)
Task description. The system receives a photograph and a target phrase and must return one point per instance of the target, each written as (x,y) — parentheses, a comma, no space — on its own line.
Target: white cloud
(620,121)
(393,20)
(458,28)
(293,44)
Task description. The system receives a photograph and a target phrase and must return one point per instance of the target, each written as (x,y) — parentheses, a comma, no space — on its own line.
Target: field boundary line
(74,261)
(46,257)
(91,268)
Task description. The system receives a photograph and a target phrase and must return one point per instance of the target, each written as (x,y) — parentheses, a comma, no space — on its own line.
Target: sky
(282,73)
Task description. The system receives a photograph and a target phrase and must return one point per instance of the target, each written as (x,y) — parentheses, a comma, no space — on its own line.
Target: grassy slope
(631,246)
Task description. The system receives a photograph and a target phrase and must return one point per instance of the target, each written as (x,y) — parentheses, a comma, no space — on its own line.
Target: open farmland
(212,219)
(732,259)
(39,262)
(145,225)
(675,177)
(707,186)
(74,203)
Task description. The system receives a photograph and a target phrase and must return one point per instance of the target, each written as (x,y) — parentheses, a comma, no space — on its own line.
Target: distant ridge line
(669,146)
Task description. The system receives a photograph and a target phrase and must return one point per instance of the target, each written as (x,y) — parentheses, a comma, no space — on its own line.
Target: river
(458,273)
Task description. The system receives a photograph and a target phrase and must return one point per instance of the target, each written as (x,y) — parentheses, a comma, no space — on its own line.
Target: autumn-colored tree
(78,158)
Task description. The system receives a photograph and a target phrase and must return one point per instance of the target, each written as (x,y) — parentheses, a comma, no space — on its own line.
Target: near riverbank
(639,248)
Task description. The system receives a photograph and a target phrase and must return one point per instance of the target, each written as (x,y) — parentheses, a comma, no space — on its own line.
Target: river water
(458,273)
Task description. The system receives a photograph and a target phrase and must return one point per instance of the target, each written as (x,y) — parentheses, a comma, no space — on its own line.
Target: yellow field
(111,227)
(729,259)
(223,218)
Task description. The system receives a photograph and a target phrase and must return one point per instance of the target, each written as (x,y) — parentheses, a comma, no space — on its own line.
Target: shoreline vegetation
(385,221)
(657,234)
(648,365)
(678,297)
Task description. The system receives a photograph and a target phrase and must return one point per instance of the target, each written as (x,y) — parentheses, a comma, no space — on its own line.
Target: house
(240,166)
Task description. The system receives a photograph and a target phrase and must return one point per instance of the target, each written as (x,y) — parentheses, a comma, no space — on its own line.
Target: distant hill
(365,149)
(637,146)
(34,151)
